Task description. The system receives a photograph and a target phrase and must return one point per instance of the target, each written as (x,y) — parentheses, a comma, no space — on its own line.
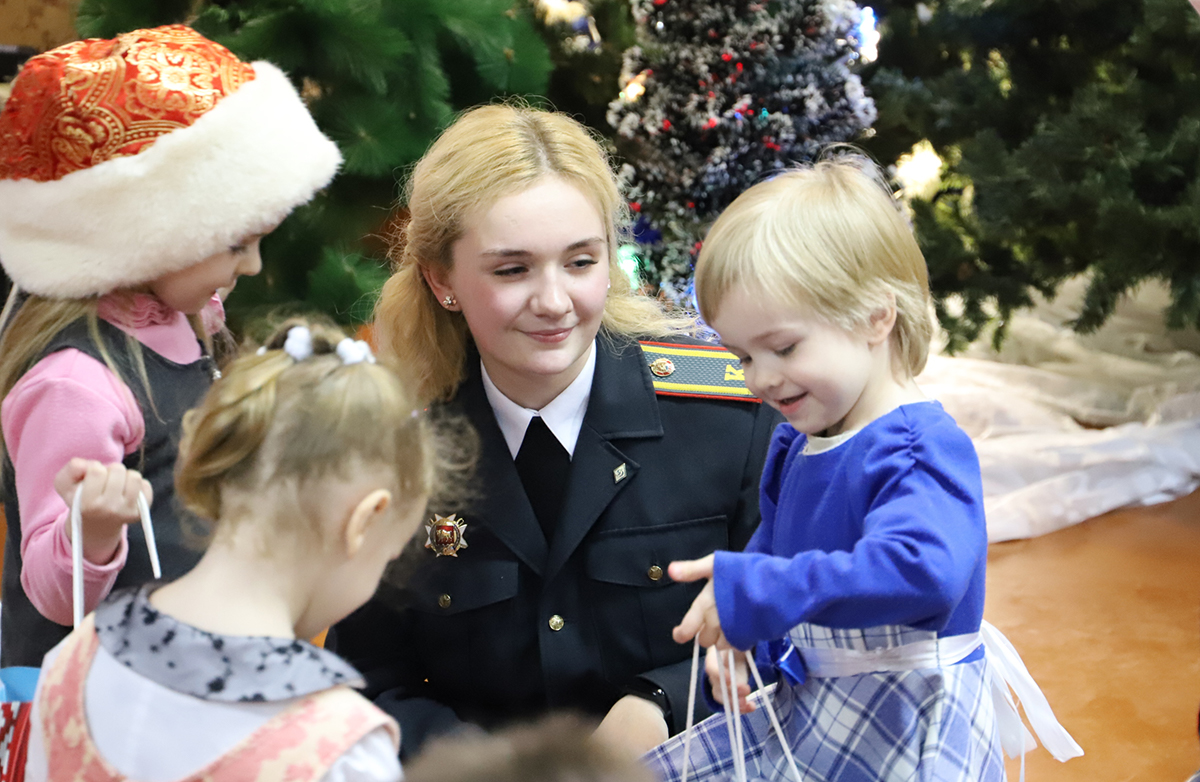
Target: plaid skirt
(931,725)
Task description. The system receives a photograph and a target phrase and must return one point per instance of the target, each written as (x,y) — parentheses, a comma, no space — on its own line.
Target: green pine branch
(381,78)
(1070,135)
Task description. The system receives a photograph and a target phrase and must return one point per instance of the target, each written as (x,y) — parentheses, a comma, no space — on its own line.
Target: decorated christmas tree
(381,79)
(587,43)
(1061,138)
(716,97)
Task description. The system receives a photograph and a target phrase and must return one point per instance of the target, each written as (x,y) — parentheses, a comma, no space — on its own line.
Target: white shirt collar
(563,415)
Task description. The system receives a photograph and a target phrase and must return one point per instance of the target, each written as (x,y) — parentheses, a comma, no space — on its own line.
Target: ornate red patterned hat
(125,159)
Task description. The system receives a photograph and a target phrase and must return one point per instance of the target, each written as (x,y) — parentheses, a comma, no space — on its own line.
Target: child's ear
(368,510)
(883,320)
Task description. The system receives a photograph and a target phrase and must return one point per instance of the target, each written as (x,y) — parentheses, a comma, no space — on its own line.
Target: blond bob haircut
(827,238)
(273,421)
(489,153)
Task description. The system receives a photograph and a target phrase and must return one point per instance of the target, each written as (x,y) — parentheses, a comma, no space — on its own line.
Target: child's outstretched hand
(701,619)
(741,677)
(108,502)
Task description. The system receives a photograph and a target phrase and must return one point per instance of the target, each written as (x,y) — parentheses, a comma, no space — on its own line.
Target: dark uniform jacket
(514,625)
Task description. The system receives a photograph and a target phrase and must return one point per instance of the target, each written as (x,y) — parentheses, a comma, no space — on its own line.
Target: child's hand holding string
(107,504)
(703,621)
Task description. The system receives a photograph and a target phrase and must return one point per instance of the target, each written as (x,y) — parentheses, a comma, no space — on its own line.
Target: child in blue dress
(864,585)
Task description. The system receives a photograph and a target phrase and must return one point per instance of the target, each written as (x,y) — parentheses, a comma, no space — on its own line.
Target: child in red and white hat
(137,176)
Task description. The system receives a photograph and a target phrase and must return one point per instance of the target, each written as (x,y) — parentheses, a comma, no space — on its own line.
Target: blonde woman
(603,457)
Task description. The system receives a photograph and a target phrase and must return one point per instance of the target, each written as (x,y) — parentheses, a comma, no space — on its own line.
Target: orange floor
(1107,617)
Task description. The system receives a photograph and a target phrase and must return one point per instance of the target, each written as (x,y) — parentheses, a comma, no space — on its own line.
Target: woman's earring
(449,301)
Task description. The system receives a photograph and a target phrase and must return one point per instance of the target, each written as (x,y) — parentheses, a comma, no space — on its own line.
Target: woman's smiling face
(530,275)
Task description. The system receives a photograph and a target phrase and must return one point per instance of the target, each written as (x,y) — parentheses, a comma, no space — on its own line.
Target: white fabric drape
(1071,426)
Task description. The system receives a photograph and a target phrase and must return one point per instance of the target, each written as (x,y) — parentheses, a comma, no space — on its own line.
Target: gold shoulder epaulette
(705,371)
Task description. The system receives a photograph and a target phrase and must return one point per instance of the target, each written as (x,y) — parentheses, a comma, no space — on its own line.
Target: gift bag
(733,721)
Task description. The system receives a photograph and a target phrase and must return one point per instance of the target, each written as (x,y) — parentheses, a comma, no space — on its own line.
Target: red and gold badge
(446,535)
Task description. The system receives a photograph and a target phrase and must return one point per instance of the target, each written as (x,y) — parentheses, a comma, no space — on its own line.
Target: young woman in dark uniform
(611,444)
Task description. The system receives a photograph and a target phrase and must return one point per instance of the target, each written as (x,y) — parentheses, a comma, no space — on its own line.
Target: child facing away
(314,464)
(137,176)
(864,585)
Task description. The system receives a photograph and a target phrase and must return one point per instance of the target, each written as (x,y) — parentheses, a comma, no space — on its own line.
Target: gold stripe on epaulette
(741,393)
(696,370)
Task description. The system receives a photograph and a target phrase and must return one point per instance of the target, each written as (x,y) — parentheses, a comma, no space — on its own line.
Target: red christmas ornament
(635,206)
(712,123)
(666,124)
(691,204)
(726,56)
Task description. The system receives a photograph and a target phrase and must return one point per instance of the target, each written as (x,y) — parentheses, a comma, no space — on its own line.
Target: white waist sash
(1005,670)
(829,662)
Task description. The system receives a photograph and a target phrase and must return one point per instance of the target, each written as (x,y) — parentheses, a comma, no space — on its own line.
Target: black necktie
(543,465)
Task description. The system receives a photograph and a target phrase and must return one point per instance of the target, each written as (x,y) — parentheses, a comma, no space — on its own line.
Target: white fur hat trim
(236,171)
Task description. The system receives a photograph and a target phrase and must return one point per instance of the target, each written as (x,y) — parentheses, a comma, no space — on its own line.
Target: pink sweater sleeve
(68,405)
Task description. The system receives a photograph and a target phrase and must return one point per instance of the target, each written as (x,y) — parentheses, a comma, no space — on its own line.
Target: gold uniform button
(556,623)
(655,572)
(444,601)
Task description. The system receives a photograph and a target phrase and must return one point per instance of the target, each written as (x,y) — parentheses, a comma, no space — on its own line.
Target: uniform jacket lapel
(507,510)
(622,405)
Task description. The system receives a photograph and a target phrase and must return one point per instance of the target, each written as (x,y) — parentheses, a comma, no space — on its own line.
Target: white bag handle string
(77,549)
(691,717)
(737,714)
(148,534)
(787,751)
(732,719)
(734,726)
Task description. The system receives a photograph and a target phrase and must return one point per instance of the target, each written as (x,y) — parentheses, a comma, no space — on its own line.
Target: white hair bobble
(354,351)
(299,346)
(299,343)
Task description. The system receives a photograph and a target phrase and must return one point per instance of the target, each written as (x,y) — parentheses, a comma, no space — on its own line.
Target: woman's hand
(702,618)
(634,725)
(741,673)
(108,503)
